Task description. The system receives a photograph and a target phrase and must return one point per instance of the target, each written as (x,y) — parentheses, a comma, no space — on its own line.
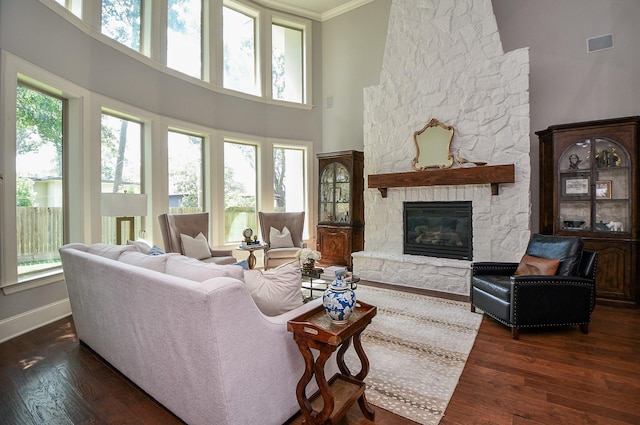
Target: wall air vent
(602,42)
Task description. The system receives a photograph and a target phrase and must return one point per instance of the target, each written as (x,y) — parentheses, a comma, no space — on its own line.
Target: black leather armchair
(566,298)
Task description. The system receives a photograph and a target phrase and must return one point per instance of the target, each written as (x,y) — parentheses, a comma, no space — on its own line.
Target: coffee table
(315,282)
(314,329)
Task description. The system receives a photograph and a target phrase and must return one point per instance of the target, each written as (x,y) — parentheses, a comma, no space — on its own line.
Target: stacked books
(329,273)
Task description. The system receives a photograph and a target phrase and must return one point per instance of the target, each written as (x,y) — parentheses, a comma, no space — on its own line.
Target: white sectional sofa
(202,349)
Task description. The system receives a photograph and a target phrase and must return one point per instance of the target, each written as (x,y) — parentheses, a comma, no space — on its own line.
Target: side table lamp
(124,207)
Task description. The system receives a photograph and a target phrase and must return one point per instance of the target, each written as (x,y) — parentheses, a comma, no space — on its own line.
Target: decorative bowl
(573,224)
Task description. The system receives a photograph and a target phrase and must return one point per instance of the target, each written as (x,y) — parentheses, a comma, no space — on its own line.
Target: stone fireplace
(444,60)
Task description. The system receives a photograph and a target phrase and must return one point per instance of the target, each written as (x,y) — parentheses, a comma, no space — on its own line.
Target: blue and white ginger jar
(339,300)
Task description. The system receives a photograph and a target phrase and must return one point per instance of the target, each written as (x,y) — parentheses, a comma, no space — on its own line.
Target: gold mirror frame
(433,144)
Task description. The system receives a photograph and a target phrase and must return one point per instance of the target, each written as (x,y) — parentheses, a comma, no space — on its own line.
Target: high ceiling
(319,10)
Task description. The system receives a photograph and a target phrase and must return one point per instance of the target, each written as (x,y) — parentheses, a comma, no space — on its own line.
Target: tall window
(120,164)
(121,21)
(185,173)
(289,179)
(184,36)
(39,181)
(287,63)
(240,181)
(239,51)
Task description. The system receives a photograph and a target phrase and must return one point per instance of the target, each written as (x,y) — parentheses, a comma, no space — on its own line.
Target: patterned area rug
(417,346)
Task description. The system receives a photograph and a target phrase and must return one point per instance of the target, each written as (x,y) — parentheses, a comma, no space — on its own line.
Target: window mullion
(266,20)
(212,43)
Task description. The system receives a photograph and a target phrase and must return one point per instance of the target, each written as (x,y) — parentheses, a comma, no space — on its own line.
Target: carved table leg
(365,407)
(311,416)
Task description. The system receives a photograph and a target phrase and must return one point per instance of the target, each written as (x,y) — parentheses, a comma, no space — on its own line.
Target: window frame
(257,68)
(18,71)
(292,25)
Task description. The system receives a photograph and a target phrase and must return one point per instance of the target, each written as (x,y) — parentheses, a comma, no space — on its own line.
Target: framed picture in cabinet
(575,186)
(603,189)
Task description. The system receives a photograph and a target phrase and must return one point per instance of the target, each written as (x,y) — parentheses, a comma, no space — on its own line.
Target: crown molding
(309,14)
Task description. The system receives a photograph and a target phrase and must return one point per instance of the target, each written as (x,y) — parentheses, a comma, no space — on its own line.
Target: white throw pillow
(151,262)
(192,269)
(141,245)
(280,239)
(197,247)
(278,291)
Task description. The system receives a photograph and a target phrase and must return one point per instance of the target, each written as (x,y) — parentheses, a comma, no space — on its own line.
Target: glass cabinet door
(335,185)
(594,178)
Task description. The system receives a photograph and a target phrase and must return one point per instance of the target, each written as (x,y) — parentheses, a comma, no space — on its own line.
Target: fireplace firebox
(438,229)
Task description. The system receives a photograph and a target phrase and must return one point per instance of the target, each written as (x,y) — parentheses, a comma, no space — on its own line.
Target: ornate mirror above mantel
(433,144)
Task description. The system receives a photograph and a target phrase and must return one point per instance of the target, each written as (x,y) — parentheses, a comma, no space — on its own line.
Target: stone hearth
(444,60)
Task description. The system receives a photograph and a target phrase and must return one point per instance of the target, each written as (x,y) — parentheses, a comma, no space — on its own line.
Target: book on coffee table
(330,272)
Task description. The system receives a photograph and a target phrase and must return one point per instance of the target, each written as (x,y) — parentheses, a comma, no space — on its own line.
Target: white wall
(352,49)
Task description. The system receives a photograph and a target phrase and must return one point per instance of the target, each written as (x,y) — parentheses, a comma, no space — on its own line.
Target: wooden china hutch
(340,206)
(590,187)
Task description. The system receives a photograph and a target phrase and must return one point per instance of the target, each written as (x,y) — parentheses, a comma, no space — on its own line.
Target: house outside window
(39,181)
(185,173)
(240,184)
(184,36)
(120,164)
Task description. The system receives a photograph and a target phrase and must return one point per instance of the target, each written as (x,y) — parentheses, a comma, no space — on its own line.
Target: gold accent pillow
(530,265)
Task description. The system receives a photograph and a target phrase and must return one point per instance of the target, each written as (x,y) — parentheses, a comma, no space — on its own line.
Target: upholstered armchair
(281,249)
(553,285)
(173,226)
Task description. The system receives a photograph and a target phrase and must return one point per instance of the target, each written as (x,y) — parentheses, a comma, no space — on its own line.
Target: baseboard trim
(33,319)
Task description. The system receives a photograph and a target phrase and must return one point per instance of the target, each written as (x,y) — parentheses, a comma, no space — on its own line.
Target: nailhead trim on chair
(515,308)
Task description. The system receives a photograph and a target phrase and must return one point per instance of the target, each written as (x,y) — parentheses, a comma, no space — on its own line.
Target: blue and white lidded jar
(339,299)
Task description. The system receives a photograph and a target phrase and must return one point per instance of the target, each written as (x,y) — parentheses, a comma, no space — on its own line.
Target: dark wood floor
(560,377)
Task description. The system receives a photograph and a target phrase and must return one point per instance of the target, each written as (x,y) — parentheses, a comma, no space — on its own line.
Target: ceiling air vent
(602,42)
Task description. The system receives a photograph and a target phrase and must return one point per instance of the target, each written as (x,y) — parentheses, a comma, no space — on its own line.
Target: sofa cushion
(197,247)
(192,269)
(567,249)
(151,262)
(276,291)
(109,251)
(498,286)
(280,239)
(530,265)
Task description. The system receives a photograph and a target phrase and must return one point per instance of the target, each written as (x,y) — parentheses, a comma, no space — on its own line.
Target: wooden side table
(314,329)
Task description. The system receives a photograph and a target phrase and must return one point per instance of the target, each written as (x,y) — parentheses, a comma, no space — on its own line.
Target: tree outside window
(185,173)
(240,182)
(184,36)
(289,179)
(239,57)
(287,63)
(121,21)
(39,180)
(121,161)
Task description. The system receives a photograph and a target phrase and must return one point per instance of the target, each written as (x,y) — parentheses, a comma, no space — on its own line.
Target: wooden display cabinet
(589,187)
(340,226)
